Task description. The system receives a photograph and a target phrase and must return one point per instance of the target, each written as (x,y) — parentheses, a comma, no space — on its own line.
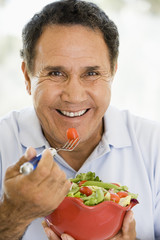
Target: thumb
(129,225)
(48,231)
(29,154)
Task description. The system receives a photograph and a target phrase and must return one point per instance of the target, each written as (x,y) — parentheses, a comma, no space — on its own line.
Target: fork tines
(70,145)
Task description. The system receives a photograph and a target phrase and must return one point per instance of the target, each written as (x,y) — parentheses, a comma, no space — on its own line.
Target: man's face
(71,83)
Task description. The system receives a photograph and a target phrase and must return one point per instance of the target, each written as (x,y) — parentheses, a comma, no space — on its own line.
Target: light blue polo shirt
(128,153)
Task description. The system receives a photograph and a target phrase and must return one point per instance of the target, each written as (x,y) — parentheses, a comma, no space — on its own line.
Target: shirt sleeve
(0,176)
(155,175)
(157,196)
(149,142)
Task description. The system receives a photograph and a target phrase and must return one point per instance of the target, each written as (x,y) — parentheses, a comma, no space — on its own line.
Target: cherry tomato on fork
(72,134)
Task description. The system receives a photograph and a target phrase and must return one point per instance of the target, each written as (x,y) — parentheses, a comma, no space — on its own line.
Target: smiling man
(69,53)
(71,86)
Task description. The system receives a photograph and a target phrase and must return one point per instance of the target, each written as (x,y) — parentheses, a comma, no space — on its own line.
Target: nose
(74,91)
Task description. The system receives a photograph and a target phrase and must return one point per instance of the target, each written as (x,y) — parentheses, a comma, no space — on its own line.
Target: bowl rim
(77,201)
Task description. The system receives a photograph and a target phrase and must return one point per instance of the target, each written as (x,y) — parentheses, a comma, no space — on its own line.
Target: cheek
(102,96)
(43,95)
(39,97)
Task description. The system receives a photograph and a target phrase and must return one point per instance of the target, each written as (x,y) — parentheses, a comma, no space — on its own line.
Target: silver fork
(30,166)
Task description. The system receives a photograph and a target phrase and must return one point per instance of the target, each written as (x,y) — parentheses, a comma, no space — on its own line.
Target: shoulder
(144,130)
(14,115)
(142,127)
(138,123)
(10,122)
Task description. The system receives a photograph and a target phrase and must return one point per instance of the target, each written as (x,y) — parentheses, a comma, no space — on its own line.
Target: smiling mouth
(73,114)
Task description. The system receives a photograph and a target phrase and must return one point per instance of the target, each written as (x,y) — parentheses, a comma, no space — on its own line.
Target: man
(70,52)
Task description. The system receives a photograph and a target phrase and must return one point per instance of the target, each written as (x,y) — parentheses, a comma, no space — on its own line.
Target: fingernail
(27,153)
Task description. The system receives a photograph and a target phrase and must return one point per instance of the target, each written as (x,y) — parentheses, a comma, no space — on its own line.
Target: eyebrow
(91,68)
(52,68)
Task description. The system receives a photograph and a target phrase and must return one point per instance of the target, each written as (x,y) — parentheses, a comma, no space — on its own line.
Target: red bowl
(82,222)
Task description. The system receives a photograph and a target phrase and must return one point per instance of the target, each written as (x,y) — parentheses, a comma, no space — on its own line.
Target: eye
(57,76)
(92,74)
(55,73)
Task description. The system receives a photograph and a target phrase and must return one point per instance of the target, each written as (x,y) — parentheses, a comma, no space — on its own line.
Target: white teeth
(73,114)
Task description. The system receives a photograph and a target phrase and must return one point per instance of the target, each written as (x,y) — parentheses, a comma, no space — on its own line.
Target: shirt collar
(30,131)
(115,134)
(115,128)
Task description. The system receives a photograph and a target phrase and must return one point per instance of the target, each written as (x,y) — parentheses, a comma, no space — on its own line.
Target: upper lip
(72,110)
(72,113)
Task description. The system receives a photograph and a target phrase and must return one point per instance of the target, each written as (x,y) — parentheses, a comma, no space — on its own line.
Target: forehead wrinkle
(59,59)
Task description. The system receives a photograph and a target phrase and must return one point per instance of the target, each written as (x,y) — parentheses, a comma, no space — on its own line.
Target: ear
(27,78)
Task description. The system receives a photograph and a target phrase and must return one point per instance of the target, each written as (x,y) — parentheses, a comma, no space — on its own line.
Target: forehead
(71,43)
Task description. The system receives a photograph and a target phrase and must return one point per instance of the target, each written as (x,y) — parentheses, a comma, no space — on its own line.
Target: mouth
(73,114)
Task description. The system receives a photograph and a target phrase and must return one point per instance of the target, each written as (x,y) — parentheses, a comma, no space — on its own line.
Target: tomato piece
(116,184)
(86,190)
(81,183)
(114,197)
(80,199)
(122,194)
(72,134)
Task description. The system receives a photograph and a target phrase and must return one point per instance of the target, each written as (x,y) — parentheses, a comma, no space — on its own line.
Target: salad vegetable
(91,190)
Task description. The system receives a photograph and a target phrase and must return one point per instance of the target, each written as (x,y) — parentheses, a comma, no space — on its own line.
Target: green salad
(92,191)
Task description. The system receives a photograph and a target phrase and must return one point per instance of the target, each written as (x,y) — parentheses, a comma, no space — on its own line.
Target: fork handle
(31,165)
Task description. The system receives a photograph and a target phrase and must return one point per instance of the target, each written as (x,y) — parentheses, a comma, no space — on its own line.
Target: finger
(44,224)
(44,167)
(50,234)
(54,184)
(66,237)
(128,228)
(29,154)
(127,220)
(129,225)
(56,175)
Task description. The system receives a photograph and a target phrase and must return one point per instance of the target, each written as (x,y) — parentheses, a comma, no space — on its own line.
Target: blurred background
(137,82)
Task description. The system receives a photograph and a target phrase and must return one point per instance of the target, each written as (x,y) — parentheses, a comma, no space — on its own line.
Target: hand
(52,236)
(128,231)
(39,193)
